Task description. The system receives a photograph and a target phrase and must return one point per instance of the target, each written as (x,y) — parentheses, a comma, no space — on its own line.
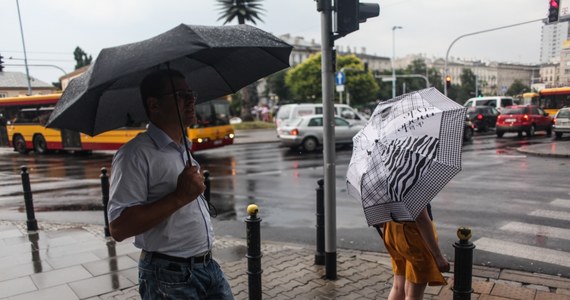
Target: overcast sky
(52,29)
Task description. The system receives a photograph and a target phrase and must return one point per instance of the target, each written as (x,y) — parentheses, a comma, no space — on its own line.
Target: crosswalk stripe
(534,229)
(523,251)
(551,214)
(561,202)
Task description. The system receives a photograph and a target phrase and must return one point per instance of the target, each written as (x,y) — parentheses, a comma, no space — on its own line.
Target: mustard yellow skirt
(410,255)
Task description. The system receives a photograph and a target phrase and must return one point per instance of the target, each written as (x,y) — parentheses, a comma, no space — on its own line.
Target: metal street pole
(474,33)
(393,58)
(24,45)
(327,75)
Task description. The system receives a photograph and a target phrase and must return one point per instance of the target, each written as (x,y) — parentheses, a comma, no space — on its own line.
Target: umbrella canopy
(409,150)
(216,61)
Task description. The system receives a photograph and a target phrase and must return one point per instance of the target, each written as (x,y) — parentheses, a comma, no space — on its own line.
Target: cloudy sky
(52,29)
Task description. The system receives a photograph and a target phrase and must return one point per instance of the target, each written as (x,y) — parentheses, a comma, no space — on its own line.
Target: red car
(527,118)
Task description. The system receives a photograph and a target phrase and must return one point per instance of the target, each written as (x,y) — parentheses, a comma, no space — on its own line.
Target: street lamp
(393,58)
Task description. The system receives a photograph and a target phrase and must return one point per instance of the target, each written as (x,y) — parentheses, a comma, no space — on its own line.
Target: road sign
(340,88)
(340,78)
(385,79)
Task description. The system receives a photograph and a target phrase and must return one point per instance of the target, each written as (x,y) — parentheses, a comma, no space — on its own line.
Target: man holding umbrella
(156,196)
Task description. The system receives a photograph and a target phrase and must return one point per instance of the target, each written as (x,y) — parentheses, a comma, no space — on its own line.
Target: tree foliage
(81,58)
(304,80)
(517,88)
(243,10)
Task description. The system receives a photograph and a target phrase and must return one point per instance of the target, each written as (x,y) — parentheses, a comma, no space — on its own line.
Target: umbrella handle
(184,132)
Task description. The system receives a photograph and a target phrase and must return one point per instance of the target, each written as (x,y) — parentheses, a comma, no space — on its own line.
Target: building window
(3,95)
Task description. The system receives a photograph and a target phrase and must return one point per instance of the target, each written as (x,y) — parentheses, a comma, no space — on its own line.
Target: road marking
(551,214)
(539,230)
(561,202)
(523,251)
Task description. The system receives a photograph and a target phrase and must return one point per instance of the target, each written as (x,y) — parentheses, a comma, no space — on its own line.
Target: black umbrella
(216,61)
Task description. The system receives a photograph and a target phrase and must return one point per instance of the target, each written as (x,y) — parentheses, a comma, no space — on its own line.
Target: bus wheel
(20,144)
(40,144)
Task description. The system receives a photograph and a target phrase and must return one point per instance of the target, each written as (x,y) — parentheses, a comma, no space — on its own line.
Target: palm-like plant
(243,10)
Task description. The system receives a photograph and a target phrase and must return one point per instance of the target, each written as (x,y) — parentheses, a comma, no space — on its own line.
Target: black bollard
(207,183)
(105,193)
(253,252)
(28,200)
(320,253)
(463,268)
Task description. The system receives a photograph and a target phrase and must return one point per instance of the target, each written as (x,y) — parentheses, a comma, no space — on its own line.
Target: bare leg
(415,291)
(398,291)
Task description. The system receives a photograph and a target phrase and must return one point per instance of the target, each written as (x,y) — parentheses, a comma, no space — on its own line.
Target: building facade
(14,84)
(552,39)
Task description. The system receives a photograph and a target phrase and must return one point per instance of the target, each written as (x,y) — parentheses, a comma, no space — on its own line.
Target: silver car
(307,132)
(561,122)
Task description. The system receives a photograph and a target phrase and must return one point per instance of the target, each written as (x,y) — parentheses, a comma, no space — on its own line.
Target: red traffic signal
(553,11)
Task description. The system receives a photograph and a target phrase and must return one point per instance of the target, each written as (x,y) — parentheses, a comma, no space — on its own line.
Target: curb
(525,150)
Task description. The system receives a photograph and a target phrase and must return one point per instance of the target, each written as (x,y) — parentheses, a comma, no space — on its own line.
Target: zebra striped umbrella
(409,150)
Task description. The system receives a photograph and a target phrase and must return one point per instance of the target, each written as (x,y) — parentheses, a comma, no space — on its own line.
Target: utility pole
(25,55)
(349,14)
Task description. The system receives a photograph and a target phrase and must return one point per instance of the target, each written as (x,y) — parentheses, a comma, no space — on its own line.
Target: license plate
(217,142)
(510,120)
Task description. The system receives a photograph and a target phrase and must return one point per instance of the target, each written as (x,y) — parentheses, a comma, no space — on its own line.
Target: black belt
(206,258)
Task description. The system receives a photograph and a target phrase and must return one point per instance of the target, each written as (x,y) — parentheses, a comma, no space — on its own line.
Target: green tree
(243,10)
(419,67)
(467,88)
(276,85)
(517,88)
(304,80)
(81,58)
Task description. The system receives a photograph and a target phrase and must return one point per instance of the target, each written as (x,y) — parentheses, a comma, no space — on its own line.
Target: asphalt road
(518,206)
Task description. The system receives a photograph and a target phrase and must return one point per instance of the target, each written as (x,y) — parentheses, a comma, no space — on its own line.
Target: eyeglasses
(183,95)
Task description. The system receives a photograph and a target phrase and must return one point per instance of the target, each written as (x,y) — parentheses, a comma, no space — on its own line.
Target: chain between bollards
(253,252)
(320,253)
(463,267)
(105,198)
(28,200)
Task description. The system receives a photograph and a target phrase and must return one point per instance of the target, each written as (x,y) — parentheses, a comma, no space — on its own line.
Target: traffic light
(553,10)
(1,63)
(350,13)
(448,81)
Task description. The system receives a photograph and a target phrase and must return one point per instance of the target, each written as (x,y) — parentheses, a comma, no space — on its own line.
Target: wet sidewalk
(77,262)
(559,149)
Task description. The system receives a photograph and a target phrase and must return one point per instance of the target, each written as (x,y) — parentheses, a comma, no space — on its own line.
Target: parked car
(561,122)
(483,117)
(523,118)
(498,102)
(307,132)
(468,129)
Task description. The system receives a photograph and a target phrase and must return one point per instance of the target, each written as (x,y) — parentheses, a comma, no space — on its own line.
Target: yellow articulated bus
(23,119)
(553,99)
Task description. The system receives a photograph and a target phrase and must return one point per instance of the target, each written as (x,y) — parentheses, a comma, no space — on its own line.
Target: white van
(290,112)
(498,102)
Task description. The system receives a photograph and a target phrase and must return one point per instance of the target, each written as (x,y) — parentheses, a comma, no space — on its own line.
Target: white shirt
(146,169)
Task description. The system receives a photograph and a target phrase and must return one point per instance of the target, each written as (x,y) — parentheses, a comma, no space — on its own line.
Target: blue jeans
(165,279)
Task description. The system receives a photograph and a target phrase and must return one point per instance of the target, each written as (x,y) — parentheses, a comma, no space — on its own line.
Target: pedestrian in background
(156,196)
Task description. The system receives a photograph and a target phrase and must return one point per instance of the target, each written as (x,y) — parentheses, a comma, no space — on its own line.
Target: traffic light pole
(327,76)
(474,33)
(25,55)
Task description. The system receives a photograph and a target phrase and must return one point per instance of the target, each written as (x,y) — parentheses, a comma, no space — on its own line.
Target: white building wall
(552,38)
